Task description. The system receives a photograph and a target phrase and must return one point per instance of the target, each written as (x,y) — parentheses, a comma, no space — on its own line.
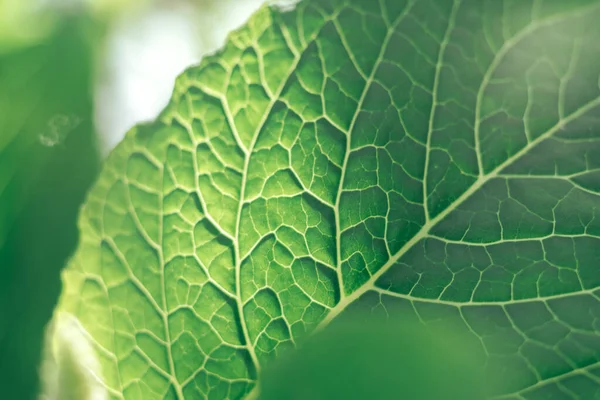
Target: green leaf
(23,23)
(431,160)
(363,357)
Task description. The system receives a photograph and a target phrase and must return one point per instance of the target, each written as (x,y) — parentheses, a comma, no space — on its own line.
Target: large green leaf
(432,160)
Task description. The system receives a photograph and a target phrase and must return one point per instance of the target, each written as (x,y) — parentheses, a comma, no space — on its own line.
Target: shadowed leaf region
(431,160)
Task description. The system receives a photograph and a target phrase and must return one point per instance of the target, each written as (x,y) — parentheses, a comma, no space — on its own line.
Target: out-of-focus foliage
(362,358)
(47,162)
(22,22)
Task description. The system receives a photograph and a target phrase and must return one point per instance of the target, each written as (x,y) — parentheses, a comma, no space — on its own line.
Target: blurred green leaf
(47,162)
(363,358)
(23,22)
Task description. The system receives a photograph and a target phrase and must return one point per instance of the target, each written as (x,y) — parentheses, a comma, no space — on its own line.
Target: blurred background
(75,75)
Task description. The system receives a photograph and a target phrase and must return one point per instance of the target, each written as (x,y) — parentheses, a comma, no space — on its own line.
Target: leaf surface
(434,160)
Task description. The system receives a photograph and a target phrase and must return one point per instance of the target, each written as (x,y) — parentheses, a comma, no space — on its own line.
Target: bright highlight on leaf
(434,161)
(70,370)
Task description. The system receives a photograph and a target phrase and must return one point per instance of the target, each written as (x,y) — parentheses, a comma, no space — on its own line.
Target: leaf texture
(431,159)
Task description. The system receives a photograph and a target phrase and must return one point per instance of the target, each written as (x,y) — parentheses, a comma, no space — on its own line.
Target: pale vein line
(555,177)
(363,97)
(162,310)
(351,56)
(238,258)
(557,379)
(567,178)
(473,303)
(110,303)
(165,316)
(132,277)
(230,119)
(565,79)
(434,101)
(540,239)
(199,194)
